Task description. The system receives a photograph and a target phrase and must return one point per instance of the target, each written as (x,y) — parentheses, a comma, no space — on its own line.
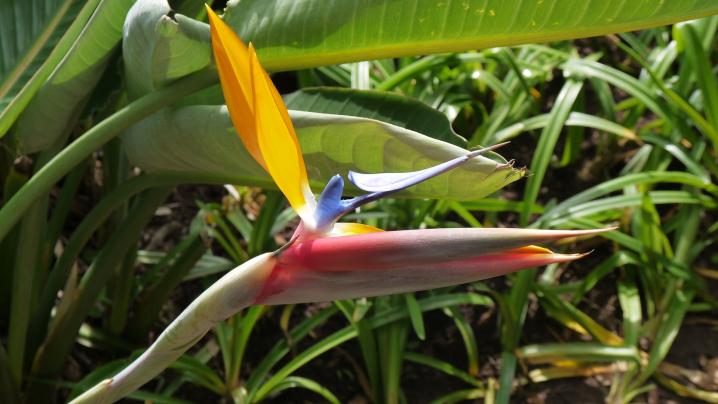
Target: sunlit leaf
(161,45)
(383,106)
(29,30)
(200,140)
(46,117)
(323,32)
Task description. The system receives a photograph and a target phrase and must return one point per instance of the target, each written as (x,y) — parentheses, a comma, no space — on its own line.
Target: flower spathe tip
(404,261)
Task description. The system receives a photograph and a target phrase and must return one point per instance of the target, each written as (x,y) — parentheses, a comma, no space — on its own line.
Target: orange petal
(278,143)
(233,64)
(347,229)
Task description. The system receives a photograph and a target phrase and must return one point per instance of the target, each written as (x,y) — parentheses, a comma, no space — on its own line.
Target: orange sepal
(235,76)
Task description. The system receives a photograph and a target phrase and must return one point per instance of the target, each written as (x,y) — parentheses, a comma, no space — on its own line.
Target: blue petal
(392,182)
(330,206)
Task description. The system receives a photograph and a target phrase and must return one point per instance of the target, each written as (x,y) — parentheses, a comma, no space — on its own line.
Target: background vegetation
(100,248)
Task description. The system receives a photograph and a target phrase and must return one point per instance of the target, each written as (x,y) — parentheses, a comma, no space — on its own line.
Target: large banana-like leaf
(380,105)
(46,116)
(159,46)
(29,30)
(200,141)
(292,34)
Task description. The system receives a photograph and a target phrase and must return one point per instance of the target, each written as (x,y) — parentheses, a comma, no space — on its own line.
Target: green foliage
(379,105)
(35,37)
(322,34)
(64,93)
(331,144)
(161,46)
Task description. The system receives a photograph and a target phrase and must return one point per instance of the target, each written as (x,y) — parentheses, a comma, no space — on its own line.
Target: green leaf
(308,384)
(198,373)
(688,39)
(29,30)
(383,106)
(97,375)
(46,116)
(581,351)
(630,300)
(290,35)
(281,348)
(294,35)
(469,338)
(417,320)
(547,142)
(201,140)
(442,366)
(681,155)
(160,46)
(611,203)
(569,206)
(638,89)
(575,119)
(384,317)
(670,324)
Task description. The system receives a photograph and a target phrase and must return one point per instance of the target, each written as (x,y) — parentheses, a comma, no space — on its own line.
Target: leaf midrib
(282,62)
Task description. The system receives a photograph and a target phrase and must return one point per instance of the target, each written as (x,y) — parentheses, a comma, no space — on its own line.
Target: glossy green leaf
(577,119)
(45,117)
(681,155)
(617,184)
(581,351)
(383,106)
(667,332)
(443,366)
(201,140)
(469,338)
(292,382)
(290,35)
(382,318)
(160,45)
(34,37)
(293,35)
(547,143)
(97,375)
(199,373)
(618,203)
(417,320)
(701,64)
(282,348)
(630,300)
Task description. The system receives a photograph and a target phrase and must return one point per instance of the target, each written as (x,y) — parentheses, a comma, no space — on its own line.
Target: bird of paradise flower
(325,260)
